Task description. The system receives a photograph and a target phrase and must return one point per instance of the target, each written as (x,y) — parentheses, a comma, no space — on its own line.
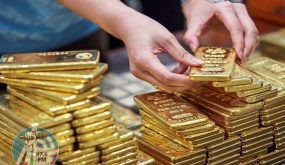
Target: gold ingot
(275,157)
(237,132)
(208,143)
(122,139)
(222,102)
(44,61)
(208,138)
(261,96)
(121,158)
(268,68)
(249,161)
(254,154)
(195,137)
(91,119)
(270,122)
(220,151)
(66,141)
(199,129)
(254,85)
(122,152)
(93,161)
(232,128)
(256,132)
(275,101)
(95,126)
(97,107)
(266,87)
(272,116)
(64,134)
(280,145)
(50,107)
(149,129)
(119,147)
(279,124)
(279,129)
(260,147)
(255,144)
(171,110)
(62,97)
(271,154)
(96,134)
(66,149)
(239,77)
(80,76)
(60,128)
(10,123)
(279,135)
(226,64)
(256,138)
(129,162)
(145,159)
(98,141)
(226,160)
(224,155)
(82,158)
(71,155)
(224,144)
(74,88)
(272,110)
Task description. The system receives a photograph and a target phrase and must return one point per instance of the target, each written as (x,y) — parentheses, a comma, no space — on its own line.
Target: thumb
(173,47)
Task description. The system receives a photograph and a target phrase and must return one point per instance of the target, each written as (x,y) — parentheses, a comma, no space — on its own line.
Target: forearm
(111,15)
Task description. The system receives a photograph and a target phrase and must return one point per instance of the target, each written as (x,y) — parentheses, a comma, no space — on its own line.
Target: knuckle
(141,60)
(168,79)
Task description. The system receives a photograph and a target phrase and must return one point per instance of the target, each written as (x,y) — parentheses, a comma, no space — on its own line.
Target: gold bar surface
(96,134)
(266,87)
(83,158)
(44,61)
(254,85)
(94,126)
(145,159)
(71,155)
(96,108)
(170,110)
(91,119)
(119,147)
(77,76)
(239,77)
(96,142)
(132,149)
(129,156)
(218,64)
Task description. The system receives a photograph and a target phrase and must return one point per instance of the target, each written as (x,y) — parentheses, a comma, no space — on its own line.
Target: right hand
(144,40)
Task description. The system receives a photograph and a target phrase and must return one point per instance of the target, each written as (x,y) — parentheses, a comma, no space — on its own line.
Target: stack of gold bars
(247,103)
(59,91)
(167,122)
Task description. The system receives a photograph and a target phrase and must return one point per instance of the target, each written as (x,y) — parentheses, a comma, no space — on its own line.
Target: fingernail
(198,61)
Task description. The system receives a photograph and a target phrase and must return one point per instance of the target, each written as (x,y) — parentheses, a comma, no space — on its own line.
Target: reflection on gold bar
(62,97)
(94,126)
(254,85)
(272,121)
(96,134)
(91,119)
(45,61)
(219,151)
(65,141)
(170,110)
(79,76)
(122,152)
(124,137)
(224,144)
(198,129)
(67,148)
(218,64)
(98,141)
(97,107)
(83,158)
(266,87)
(64,134)
(203,134)
(71,155)
(119,147)
(275,101)
(224,155)
(261,96)
(273,110)
(239,77)
(60,128)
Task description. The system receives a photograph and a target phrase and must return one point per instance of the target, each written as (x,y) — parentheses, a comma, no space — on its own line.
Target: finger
(226,14)
(251,32)
(180,69)
(172,46)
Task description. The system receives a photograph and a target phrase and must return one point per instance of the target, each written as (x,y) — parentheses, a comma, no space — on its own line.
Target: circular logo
(35,146)
(83,56)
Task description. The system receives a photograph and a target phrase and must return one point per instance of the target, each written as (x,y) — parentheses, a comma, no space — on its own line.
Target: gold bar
(121,158)
(257,138)
(215,100)
(91,119)
(10,123)
(266,87)
(259,97)
(239,77)
(195,137)
(267,140)
(232,128)
(62,97)
(224,155)
(224,144)
(50,107)
(279,124)
(219,151)
(170,109)
(122,152)
(129,162)
(198,129)
(98,141)
(271,154)
(75,88)
(94,126)
(225,160)
(249,161)
(272,116)
(256,132)
(71,155)
(76,76)
(254,85)
(60,128)
(272,110)
(237,132)
(96,134)
(82,158)
(65,141)
(224,64)
(96,108)
(259,148)
(275,101)
(145,159)
(124,137)
(45,61)
(119,147)
(64,134)
(270,122)
(208,143)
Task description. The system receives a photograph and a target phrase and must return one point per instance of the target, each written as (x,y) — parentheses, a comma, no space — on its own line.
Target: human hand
(243,31)
(145,39)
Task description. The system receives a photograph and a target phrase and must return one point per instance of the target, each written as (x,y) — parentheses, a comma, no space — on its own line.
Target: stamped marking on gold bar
(218,64)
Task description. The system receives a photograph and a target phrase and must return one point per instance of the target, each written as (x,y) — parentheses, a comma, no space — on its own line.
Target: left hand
(243,31)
